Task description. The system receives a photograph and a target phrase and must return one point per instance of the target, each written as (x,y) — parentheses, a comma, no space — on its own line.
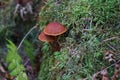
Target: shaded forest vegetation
(89,47)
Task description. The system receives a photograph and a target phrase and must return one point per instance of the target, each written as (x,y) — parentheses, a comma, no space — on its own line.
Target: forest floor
(90,48)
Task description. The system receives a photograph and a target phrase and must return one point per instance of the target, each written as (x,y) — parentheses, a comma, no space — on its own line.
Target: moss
(47,64)
(88,23)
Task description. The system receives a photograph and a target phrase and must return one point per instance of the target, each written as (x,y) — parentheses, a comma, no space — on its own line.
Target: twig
(111,47)
(28,60)
(110,39)
(2,68)
(108,67)
(26,36)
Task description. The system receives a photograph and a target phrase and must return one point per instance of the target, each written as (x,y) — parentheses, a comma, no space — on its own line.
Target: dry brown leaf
(105,78)
(109,55)
(104,74)
(116,72)
(94,77)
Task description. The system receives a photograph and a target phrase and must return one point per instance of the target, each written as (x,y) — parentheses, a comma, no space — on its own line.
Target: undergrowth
(89,23)
(6,22)
(15,67)
(90,48)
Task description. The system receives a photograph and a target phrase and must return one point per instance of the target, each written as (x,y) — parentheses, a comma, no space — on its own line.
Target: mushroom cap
(54,29)
(46,38)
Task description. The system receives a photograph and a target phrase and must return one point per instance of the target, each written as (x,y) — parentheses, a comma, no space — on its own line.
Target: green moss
(88,23)
(47,64)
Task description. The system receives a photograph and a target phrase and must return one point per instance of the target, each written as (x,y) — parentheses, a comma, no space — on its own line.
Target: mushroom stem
(55,45)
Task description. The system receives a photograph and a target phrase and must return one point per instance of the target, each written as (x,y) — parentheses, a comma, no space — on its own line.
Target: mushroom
(45,38)
(52,31)
(50,40)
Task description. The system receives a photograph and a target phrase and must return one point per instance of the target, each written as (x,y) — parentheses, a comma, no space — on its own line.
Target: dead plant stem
(26,36)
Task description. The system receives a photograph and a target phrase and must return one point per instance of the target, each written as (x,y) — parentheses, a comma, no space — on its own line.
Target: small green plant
(47,63)
(61,57)
(15,66)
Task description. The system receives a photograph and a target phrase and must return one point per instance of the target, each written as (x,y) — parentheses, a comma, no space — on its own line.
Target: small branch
(26,36)
(112,38)
(108,67)
(26,62)
(111,47)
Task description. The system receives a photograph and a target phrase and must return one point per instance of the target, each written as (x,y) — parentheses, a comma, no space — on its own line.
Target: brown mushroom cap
(45,38)
(54,29)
